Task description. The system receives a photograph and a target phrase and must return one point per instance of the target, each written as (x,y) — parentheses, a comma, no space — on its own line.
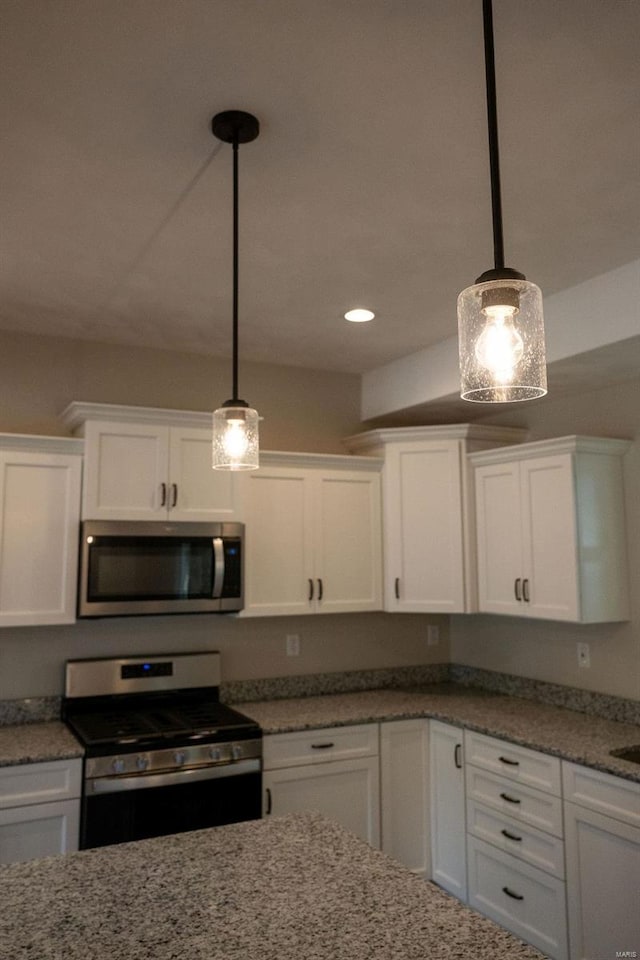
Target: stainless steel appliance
(150,567)
(162,754)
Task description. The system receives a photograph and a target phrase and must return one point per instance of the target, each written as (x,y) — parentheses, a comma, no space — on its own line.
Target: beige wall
(306,410)
(545,650)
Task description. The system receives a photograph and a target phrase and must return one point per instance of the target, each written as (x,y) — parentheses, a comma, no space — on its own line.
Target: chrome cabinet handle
(505,796)
(510,836)
(510,893)
(320,588)
(174,494)
(525,590)
(269,801)
(310,598)
(397,588)
(516,589)
(456,755)
(163,494)
(511,763)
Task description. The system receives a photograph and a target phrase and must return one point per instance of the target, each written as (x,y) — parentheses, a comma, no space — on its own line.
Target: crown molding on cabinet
(41,444)
(454,431)
(78,411)
(541,448)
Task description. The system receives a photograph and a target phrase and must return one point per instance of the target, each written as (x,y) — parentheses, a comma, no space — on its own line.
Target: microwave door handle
(218,568)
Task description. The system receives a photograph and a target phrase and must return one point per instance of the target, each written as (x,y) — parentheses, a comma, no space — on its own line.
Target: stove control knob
(215,753)
(118,765)
(236,751)
(142,762)
(180,758)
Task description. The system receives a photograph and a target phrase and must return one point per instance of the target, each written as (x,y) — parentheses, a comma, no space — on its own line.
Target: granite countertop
(285,888)
(36,742)
(564,733)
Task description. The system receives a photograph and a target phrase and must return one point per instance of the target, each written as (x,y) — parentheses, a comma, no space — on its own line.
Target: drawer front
(540,810)
(40,782)
(320,746)
(521,898)
(39,830)
(514,837)
(613,796)
(529,767)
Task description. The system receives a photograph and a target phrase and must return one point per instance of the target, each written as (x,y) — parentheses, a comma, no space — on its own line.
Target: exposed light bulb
(235,440)
(499,348)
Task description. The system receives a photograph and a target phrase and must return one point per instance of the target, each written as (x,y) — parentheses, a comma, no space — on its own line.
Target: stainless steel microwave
(148,568)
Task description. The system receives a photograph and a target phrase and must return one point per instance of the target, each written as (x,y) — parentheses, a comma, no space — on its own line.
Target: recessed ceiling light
(359,315)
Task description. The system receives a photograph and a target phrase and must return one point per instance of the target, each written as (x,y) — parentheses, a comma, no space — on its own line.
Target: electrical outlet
(433,634)
(584,657)
(293,645)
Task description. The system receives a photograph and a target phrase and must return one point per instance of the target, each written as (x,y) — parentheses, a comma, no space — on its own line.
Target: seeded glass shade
(501,342)
(235,438)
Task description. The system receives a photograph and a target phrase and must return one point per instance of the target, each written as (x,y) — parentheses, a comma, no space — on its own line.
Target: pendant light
(500,323)
(235,423)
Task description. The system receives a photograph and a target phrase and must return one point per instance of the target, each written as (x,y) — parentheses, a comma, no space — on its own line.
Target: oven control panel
(183,758)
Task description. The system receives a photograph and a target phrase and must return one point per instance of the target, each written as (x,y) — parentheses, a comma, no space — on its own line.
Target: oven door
(118,809)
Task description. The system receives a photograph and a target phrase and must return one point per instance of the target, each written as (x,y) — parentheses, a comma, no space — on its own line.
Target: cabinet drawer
(320,746)
(541,810)
(39,830)
(514,837)
(521,898)
(39,782)
(517,763)
(613,796)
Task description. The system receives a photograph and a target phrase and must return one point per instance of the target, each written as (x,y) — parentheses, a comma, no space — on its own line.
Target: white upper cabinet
(40,481)
(313,541)
(428,533)
(551,530)
(147,464)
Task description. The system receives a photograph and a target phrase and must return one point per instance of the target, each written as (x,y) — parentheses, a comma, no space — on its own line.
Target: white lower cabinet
(602,824)
(448,837)
(39,809)
(404,790)
(515,845)
(333,771)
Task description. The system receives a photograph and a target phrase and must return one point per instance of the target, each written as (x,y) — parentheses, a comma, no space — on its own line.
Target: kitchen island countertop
(574,736)
(285,888)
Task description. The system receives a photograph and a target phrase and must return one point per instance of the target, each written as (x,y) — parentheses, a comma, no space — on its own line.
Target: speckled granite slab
(563,733)
(29,710)
(290,888)
(35,742)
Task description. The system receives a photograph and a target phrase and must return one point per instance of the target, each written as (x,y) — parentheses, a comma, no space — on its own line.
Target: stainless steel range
(162,754)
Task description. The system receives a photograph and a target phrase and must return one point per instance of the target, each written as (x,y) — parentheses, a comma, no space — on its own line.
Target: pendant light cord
(492,124)
(235,269)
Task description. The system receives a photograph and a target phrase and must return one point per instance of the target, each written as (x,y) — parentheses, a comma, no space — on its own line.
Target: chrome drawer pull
(509,893)
(505,796)
(510,836)
(512,763)
(322,746)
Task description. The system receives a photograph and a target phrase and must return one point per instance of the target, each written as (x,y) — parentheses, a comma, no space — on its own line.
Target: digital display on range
(134,671)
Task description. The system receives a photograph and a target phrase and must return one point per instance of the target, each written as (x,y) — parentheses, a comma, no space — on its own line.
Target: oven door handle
(101,785)
(218,568)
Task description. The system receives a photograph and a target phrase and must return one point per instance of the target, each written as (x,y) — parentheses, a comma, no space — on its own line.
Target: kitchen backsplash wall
(32,658)
(545,650)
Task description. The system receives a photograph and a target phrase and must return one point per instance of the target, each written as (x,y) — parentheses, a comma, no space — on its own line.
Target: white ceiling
(367,186)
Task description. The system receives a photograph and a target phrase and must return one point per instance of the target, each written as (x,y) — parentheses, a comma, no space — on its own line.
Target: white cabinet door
(347,791)
(549,537)
(126,471)
(603,880)
(499,526)
(423,527)
(39,830)
(39,535)
(448,838)
(313,541)
(404,791)
(280,575)
(348,544)
(196,491)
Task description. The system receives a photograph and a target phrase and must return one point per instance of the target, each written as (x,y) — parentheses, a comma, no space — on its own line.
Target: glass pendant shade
(235,438)
(501,342)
